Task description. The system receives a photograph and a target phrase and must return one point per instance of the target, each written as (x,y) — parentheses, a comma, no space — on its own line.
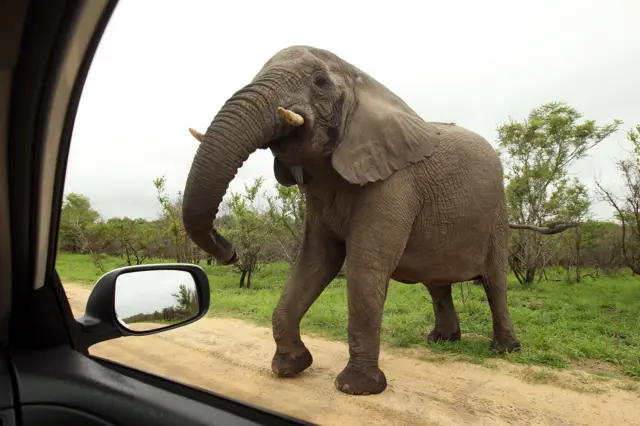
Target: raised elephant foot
(361,382)
(438,336)
(505,345)
(288,365)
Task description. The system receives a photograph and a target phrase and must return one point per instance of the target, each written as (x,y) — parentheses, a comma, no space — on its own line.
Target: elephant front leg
(318,262)
(447,325)
(371,259)
(366,291)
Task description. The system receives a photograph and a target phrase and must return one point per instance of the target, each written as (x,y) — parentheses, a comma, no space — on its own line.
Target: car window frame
(41,316)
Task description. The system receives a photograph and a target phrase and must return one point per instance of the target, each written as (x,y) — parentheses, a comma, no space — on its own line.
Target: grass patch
(544,377)
(604,377)
(629,387)
(558,324)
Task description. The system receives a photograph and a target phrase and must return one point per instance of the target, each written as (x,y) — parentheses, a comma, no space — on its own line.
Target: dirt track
(233,358)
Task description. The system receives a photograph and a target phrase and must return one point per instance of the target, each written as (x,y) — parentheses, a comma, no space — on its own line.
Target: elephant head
(321,117)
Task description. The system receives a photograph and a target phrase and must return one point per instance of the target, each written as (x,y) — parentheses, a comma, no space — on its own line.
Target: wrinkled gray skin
(398,197)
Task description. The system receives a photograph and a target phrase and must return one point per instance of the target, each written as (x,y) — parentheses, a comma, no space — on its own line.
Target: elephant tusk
(291,117)
(196,134)
(298,174)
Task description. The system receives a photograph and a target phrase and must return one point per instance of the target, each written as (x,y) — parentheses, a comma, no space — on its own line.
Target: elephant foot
(505,345)
(438,336)
(288,365)
(361,382)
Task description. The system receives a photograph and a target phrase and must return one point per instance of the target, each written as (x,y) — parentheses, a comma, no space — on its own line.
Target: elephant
(393,195)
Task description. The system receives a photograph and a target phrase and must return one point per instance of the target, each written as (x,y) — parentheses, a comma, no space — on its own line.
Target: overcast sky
(165,66)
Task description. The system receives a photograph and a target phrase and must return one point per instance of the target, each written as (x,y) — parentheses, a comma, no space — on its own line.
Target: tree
(135,238)
(537,154)
(627,207)
(184,250)
(81,229)
(187,300)
(286,214)
(603,250)
(573,205)
(249,230)
(76,218)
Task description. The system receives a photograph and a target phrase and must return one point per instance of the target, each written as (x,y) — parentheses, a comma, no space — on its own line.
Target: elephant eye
(321,81)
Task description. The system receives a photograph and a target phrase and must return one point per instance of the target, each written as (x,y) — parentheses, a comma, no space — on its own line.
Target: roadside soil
(233,358)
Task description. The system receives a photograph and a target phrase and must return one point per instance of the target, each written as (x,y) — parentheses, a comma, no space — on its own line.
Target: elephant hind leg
(494,281)
(447,324)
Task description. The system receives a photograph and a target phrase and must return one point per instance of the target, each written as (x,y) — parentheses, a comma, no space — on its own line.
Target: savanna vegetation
(574,296)
(185,308)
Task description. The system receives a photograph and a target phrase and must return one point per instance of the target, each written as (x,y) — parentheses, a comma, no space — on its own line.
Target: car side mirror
(144,299)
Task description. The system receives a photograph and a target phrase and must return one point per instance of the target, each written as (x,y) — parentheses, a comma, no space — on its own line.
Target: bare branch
(612,202)
(553,228)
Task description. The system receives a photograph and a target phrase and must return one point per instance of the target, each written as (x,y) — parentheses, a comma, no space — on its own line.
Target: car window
(372,173)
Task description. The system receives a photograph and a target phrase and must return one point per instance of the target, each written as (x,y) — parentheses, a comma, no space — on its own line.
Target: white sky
(164,66)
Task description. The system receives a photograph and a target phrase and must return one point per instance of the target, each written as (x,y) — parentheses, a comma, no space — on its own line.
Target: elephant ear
(381,135)
(282,173)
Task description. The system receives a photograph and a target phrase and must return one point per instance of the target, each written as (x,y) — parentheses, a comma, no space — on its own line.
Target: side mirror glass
(155,299)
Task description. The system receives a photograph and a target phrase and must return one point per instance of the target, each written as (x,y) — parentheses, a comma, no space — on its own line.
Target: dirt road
(233,358)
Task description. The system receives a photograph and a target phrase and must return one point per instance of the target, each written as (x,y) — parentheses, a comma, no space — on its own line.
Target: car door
(47,376)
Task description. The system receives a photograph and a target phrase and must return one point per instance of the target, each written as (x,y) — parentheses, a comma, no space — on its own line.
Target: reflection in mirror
(149,300)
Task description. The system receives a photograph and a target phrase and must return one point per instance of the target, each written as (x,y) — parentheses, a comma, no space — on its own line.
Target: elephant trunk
(246,122)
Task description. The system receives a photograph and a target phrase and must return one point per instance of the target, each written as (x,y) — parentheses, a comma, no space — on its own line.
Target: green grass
(629,387)
(539,376)
(557,323)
